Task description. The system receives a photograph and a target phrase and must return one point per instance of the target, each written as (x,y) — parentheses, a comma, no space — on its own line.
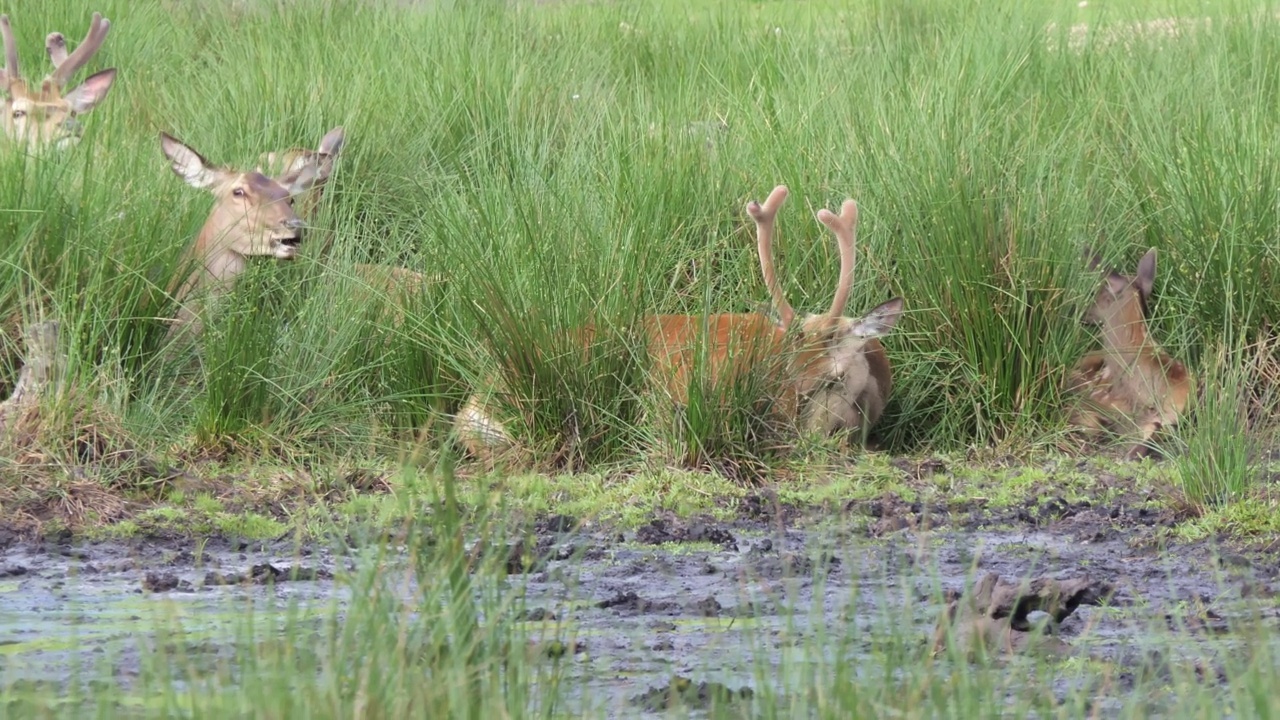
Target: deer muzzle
(286,242)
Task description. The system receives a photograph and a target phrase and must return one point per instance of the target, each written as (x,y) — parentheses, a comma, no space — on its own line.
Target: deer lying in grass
(262,213)
(847,380)
(835,375)
(1131,384)
(280,163)
(47,118)
(253,215)
(388,279)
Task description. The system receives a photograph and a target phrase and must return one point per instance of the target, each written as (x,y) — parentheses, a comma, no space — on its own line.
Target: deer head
(46,117)
(1119,307)
(843,339)
(295,160)
(252,215)
(1122,300)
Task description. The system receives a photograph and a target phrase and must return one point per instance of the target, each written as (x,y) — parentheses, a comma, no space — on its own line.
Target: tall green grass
(577,163)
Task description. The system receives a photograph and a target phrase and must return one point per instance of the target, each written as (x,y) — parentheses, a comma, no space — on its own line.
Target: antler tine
(11,74)
(845,227)
(92,41)
(764,217)
(56,45)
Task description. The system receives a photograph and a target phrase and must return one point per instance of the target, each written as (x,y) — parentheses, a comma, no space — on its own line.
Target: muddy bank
(682,609)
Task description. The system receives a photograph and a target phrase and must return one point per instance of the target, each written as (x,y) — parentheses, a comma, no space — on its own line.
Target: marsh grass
(569,383)
(734,423)
(572,164)
(1222,456)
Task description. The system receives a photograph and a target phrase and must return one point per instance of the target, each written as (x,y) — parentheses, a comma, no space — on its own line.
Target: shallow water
(743,598)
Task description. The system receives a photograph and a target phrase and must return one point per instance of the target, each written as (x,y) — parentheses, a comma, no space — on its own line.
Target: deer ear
(879,321)
(331,143)
(16,89)
(188,165)
(296,167)
(306,176)
(1092,259)
(91,92)
(1147,273)
(313,167)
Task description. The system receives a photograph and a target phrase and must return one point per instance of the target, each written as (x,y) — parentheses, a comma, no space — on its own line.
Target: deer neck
(1125,336)
(214,264)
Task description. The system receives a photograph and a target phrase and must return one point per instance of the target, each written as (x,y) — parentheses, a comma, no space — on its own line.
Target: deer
(279,197)
(847,379)
(833,369)
(48,117)
(253,216)
(295,159)
(1131,384)
(389,279)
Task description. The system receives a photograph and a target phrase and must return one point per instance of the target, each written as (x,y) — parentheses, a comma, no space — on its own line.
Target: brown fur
(396,288)
(836,375)
(736,343)
(1131,385)
(252,216)
(295,160)
(46,118)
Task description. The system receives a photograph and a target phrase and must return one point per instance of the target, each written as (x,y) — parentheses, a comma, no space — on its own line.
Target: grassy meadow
(554,164)
(551,164)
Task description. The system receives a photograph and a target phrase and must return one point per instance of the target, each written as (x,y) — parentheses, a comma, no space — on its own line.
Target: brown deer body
(834,373)
(47,117)
(252,216)
(1131,386)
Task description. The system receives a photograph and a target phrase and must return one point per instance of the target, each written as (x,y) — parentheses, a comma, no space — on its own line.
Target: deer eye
(238,192)
(19,114)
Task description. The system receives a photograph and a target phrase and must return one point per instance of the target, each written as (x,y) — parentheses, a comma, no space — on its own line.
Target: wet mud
(90,610)
(682,612)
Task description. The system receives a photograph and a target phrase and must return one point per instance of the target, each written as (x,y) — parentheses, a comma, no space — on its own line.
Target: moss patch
(265,501)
